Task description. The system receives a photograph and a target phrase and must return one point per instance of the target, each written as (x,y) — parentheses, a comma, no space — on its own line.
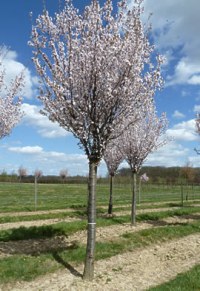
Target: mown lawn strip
(189,280)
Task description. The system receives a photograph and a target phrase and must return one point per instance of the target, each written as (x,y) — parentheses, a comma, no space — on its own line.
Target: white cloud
(185,72)
(13,68)
(184,131)
(194,160)
(45,127)
(197,108)
(172,154)
(176,29)
(194,80)
(26,150)
(177,114)
(50,162)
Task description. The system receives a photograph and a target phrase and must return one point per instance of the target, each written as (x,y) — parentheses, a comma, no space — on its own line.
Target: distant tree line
(157,175)
(168,175)
(49,179)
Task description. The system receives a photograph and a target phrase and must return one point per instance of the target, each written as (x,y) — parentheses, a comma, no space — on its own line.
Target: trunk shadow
(69,267)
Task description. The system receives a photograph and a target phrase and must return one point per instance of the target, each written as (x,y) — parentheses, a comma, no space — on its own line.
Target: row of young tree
(23,175)
(99,74)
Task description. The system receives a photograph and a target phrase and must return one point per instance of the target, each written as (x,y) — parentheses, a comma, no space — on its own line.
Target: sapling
(22,172)
(113,158)
(143,178)
(37,175)
(63,174)
(138,141)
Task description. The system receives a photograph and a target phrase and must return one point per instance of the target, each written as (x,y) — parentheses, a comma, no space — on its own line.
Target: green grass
(46,231)
(20,196)
(187,212)
(26,267)
(188,281)
(78,213)
(7,219)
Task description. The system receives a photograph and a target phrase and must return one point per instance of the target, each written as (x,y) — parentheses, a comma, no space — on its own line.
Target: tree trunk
(182,194)
(88,273)
(35,193)
(133,208)
(110,206)
(139,192)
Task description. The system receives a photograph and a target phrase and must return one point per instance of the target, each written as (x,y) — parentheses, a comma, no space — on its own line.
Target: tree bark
(35,193)
(110,206)
(133,208)
(88,273)
(139,192)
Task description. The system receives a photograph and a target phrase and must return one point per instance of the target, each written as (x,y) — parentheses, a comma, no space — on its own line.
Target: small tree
(22,172)
(113,158)
(37,175)
(63,174)
(187,173)
(143,178)
(197,129)
(10,104)
(138,141)
(97,70)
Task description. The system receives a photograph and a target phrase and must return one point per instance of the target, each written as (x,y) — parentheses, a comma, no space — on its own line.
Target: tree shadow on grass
(36,247)
(191,216)
(117,219)
(157,222)
(69,267)
(33,232)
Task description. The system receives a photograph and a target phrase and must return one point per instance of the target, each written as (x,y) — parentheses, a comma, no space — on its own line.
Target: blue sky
(36,143)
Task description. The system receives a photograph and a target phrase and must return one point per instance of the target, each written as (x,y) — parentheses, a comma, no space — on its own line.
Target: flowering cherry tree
(22,172)
(37,175)
(198,129)
(96,69)
(10,104)
(143,178)
(113,158)
(63,174)
(138,141)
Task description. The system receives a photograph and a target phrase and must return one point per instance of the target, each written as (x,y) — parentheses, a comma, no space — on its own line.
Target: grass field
(20,196)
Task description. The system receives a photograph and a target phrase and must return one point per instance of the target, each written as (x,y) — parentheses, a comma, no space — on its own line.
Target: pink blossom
(10,102)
